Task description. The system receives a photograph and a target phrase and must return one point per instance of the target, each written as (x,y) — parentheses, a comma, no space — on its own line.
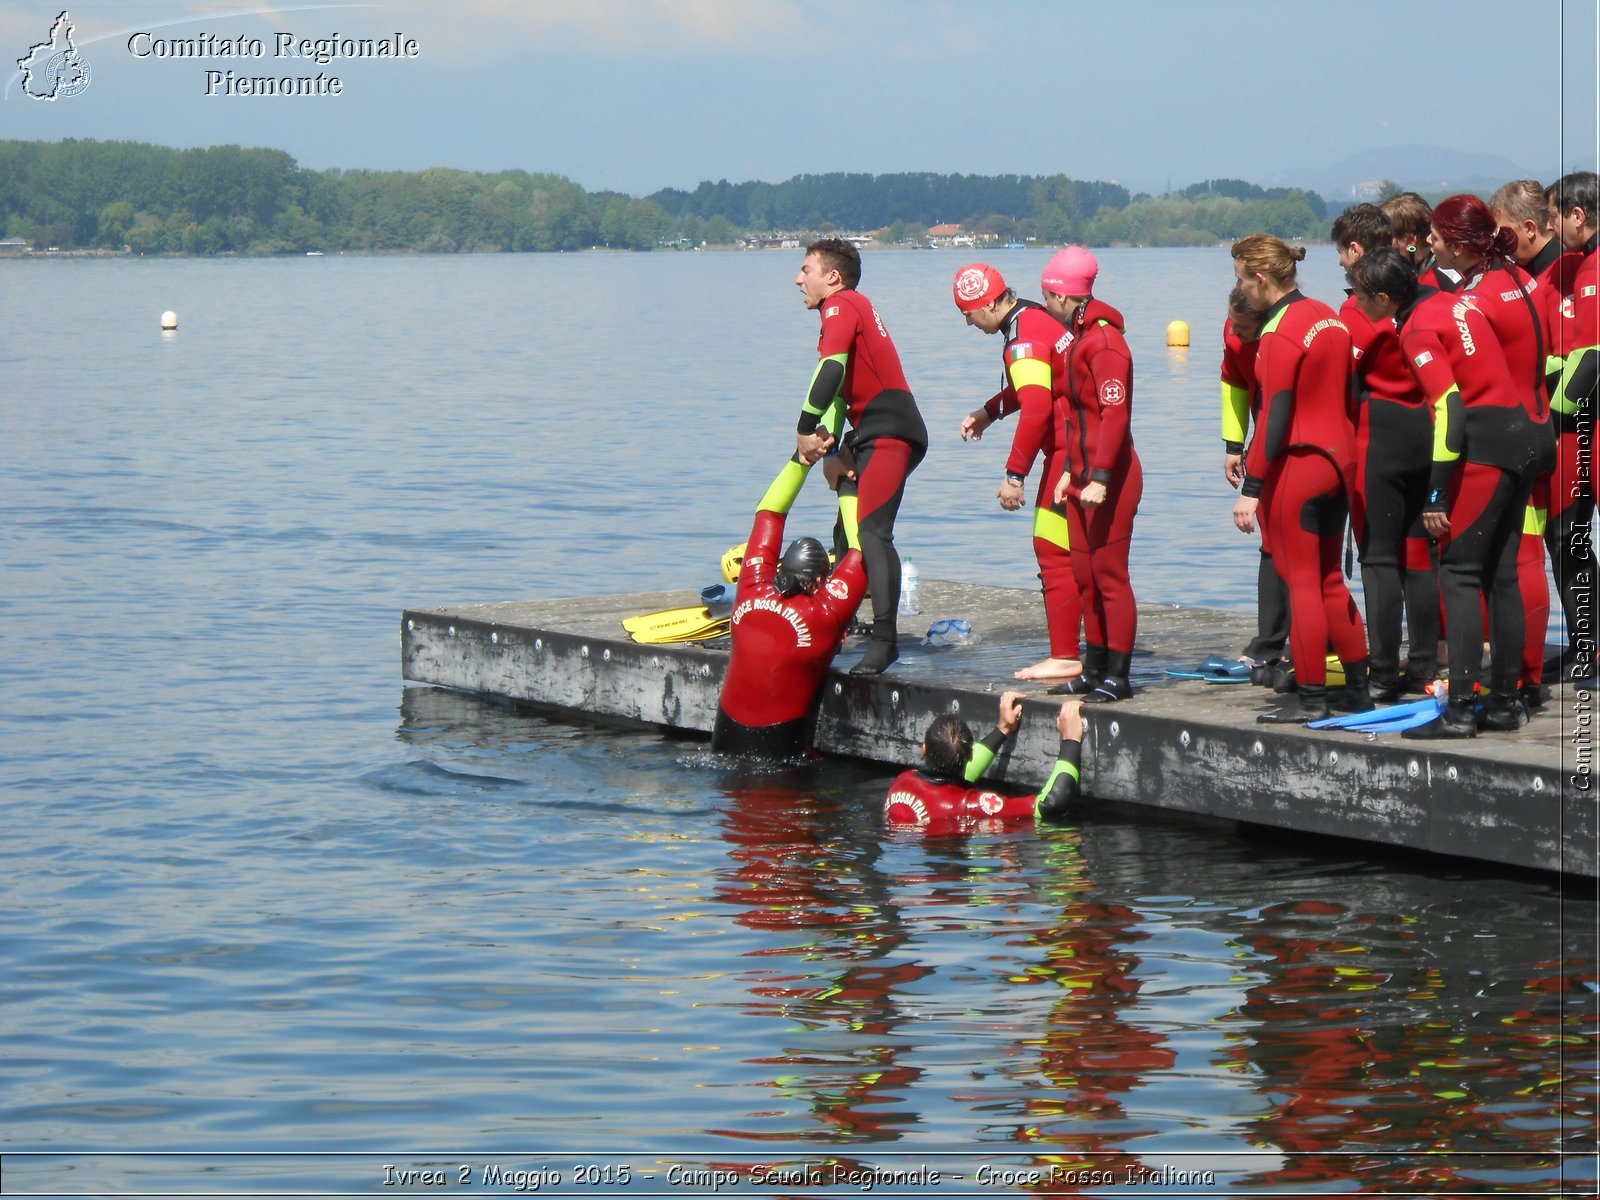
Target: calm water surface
(264,900)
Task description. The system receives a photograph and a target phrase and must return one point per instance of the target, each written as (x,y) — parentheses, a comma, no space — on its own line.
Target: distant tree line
(79,194)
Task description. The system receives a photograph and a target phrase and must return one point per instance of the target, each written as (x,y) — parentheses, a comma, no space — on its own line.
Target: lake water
(275,921)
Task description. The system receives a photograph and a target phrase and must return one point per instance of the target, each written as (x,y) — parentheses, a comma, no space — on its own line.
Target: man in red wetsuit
(941,796)
(1103,480)
(789,620)
(1394,440)
(1523,206)
(1032,383)
(1484,450)
(857,363)
(1575,219)
(1297,467)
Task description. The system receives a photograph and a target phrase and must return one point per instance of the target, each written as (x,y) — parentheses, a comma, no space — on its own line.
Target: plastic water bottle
(910,601)
(951,631)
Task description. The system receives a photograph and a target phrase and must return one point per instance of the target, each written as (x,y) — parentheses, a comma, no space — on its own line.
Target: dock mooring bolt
(583,651)
(1413,768)
(538,643)
(1183,738)
(1258,749)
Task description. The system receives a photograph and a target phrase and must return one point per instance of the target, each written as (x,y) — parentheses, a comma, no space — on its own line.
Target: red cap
(1071,272)
(978,284)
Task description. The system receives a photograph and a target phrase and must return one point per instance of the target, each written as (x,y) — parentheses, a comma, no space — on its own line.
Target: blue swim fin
(1214,667)
(1383,719)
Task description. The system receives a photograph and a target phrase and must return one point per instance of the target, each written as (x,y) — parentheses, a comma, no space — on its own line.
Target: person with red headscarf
(1467,238)
(1103,479)
(1031,384)
(1484,451)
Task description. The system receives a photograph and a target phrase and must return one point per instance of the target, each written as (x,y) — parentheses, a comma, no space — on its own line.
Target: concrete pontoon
(1524,799)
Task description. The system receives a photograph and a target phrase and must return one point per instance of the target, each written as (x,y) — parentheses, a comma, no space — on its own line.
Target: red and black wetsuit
(1484,451)
(1033,381)
(1099,445)
(942,806)
(1575,338)
(782,646)
(1240,402)
(887,433)
(1518,312)
(1299,463)
(1394,446)
(1431,275)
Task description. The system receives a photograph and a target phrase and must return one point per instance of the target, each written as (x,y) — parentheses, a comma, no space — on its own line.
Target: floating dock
(1522,799)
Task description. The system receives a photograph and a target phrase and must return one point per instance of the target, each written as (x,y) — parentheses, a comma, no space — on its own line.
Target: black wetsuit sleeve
(1060,794)
(825,384)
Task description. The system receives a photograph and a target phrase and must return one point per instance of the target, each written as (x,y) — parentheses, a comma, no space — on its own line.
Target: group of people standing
(1444,415)
(1446,412)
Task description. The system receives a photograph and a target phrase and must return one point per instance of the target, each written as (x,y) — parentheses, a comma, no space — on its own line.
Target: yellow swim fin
(676,625)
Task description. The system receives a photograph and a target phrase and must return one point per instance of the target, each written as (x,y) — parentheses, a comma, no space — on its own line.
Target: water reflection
(841,925)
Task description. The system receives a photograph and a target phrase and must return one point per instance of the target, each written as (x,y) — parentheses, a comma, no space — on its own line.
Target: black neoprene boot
(1383,683)
(1418,675)
(881,650)
(1310,704)
(1094,670)
(1456,721)
(1356,697)
(1113,685)
(1503,713)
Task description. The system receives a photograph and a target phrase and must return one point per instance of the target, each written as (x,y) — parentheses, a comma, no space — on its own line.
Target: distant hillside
(1427,169)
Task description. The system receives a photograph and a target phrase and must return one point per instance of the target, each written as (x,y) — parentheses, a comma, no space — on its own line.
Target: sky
(637,95)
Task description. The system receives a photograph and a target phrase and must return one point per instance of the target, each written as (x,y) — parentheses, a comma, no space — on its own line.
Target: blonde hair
(1269,256)
(1522,200)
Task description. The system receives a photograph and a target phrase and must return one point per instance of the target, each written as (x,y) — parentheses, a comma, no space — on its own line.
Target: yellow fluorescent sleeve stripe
(1051,526)
(1235,412)
(1441,429)
(1029,372)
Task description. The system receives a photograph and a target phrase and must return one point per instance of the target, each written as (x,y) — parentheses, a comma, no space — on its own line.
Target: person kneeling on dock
(789,620)
(940,797)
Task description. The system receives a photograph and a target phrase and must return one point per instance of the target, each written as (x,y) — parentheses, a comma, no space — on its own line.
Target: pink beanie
(976,285)
(1071,272)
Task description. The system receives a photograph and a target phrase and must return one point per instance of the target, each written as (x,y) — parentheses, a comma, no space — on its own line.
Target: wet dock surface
(1521,799)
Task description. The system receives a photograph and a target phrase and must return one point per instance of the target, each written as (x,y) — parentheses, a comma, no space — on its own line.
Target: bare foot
(1051,670)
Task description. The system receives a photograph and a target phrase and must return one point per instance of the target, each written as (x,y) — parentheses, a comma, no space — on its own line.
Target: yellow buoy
(1178,333)
(169,320)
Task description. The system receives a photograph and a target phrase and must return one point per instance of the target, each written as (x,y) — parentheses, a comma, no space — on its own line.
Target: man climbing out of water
(857,363)
(789,619)
(941,796)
